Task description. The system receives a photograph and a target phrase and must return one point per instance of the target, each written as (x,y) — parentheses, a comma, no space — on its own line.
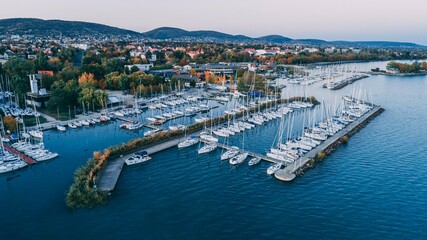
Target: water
(372,188)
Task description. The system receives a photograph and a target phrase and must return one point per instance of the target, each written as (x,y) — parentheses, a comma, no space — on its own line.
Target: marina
(213,120)
(191,181)
(288,174)
(278,157)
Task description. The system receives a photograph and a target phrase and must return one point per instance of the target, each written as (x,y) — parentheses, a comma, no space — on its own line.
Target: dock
(110,174)
(252,154)
(19,154)
(288,174)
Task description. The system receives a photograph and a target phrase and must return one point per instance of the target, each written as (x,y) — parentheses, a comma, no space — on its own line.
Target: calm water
(375,187)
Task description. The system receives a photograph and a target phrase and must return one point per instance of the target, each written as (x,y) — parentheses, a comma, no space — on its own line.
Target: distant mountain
(33,26)
(275,39)
(377,44)
(39,27)
(164,33)
(169,33)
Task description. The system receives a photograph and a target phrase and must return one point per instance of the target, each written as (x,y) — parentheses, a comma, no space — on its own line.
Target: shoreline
(397,75)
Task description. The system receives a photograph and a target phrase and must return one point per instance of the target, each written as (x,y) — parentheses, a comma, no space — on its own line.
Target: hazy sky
(393,20)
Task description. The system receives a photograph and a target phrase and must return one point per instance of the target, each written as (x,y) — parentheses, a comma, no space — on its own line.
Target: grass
(31,120)
(63,113)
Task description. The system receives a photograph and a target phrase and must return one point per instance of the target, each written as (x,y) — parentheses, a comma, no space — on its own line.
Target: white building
(330,50)
(141,67)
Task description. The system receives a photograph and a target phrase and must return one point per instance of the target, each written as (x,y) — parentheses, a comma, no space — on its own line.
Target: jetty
(289,173)
(19,154)
(110,174)
(252,154)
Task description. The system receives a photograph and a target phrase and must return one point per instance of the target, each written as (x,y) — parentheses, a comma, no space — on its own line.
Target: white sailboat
(207,148)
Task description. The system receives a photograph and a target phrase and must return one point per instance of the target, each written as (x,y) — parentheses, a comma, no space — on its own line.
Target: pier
(110,174)
(252,154)
(19,154)
(288,174)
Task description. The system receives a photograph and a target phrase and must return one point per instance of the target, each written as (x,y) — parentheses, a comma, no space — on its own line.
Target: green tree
(41,62)
(113,65)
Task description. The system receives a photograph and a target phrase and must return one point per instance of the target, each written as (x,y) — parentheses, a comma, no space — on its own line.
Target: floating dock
(19,154)
(288,174)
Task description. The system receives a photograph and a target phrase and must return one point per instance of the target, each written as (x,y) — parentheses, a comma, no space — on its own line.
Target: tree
(9,123)
(124,82)
(87,80)
(113,65)
(18,70)
(240,72)
(41,63)
(69,73)
(134,69)
(63,94)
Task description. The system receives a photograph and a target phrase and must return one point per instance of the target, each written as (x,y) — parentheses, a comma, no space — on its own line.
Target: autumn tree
(9,123)
(87,80)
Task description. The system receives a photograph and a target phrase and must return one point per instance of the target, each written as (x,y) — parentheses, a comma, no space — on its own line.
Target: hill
(41,27)
(164,33)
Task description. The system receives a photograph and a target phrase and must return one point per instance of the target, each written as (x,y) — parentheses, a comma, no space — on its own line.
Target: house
(43,72)
(392,71)
(192,54)
(330,50)
(31,56)
(141,67)
(134,53)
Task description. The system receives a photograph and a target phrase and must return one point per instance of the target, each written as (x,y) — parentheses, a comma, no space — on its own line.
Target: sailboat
(241,157)
(37,133)
(208,136)
(192,140)
(233,151)
(209,147)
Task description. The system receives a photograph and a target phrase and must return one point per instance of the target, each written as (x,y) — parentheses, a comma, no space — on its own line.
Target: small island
(402,69)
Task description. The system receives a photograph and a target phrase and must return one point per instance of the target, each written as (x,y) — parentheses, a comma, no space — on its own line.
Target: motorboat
(138,157)
(151,132)
(61,128)
(273,168)
(254,161)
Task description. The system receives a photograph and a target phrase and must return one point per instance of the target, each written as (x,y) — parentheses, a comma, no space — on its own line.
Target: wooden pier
(19,154)
(288,174)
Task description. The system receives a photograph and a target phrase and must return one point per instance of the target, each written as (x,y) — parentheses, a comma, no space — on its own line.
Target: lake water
(374,187)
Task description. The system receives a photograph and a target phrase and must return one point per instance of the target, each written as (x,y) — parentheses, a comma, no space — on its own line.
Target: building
(187,78)
(330,50)
(141,67)
(228,69)
(392,71)
(37,97)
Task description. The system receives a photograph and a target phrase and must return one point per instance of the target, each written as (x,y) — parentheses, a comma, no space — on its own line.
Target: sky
(391,20)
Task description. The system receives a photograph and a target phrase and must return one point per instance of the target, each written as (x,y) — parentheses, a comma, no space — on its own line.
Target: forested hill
(39,27)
